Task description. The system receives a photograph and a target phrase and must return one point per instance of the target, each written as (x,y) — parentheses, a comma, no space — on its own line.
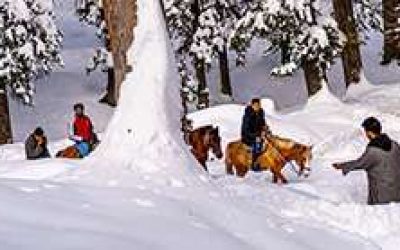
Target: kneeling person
(81,132)
(36,145)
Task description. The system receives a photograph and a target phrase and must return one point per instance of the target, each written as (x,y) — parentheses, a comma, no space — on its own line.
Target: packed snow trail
(142,189)
(326,198)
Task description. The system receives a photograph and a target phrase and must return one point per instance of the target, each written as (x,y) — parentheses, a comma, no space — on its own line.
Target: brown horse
(276,153)
(70,153)
(202,140)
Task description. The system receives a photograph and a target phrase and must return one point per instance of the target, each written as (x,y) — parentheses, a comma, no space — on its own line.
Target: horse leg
(229,167)
(281,177)
(277,175)
(204,165)
(275,178)
(241,171)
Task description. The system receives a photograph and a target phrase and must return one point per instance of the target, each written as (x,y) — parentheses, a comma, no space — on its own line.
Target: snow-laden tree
(91,12)
(30,45)
(217,18)
(391,31)
(182,18)
(368,16)
(306,38)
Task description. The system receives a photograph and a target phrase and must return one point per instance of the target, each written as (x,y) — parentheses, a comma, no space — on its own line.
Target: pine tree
(30,45)
(92,13)
(351,56)
(183,17)
(391,16)
(306,38)
(216,21)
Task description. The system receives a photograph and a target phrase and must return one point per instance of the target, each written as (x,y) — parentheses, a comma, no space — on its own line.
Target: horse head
(214,142)
(303,157)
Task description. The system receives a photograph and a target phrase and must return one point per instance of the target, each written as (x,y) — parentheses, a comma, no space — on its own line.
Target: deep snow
(142,190)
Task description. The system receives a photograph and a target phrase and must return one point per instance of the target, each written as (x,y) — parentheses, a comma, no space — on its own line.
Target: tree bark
(285,57)
(225,78)
(120,17)
(313,78)
(202,92)
(110,96)
(5,121)
(351,55)
(391,17)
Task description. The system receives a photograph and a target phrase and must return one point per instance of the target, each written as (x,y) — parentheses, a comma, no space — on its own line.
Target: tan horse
(276,153)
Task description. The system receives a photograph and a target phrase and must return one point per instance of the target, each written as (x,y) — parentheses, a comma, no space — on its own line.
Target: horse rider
(254,129)
(381,161)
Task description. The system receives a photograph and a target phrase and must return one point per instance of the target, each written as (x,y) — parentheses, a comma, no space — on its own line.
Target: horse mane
(203,130)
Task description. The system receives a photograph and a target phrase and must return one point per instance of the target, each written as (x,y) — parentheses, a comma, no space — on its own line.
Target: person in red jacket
(81,131)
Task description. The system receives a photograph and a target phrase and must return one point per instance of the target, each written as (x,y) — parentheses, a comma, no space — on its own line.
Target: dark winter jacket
(252,126)
(35,151)
(381,160)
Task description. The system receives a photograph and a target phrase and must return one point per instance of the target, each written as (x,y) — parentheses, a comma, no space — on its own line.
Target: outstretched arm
(366,161)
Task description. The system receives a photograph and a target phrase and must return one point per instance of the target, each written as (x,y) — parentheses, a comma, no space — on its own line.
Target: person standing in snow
(381,161)
(254,128)
(81,131)
(36,145)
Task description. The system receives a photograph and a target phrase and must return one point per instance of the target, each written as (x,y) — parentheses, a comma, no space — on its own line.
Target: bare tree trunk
(120,17)
(202,92)
(109,97)
(284,52)
(351,55)
(313,77)
(225,81)
(5,122)
(391,17)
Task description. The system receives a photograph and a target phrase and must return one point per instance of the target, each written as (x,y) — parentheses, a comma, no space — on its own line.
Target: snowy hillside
(143,190)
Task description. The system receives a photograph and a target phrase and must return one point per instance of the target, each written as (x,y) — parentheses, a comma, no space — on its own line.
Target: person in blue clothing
(254,128)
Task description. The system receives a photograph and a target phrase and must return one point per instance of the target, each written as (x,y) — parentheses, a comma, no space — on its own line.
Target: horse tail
(228,160)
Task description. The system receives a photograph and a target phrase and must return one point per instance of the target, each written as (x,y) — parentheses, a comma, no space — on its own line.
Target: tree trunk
(110,96)
(120,17)
(226,87)
(202,92)
(351,55)
(391,18)
(313,78)
(285,57)
(5,122)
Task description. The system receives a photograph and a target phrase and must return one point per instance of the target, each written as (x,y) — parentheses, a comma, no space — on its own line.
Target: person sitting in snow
(254,128)
(81,131)
(381,161)
(36,145)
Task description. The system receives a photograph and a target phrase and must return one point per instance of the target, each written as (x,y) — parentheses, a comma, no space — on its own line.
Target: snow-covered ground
(143,190)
